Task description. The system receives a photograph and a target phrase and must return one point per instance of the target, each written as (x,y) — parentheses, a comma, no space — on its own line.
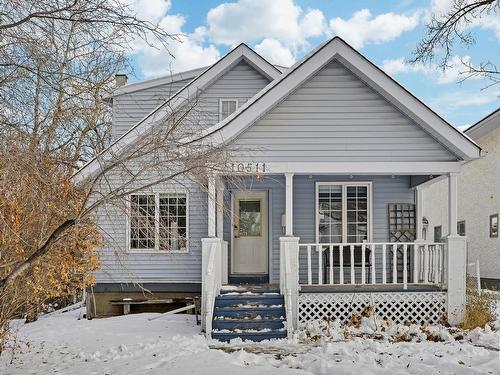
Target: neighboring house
(478,203)
(323,219)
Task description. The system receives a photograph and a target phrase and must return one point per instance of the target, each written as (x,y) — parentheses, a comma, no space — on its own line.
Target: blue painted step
(249,312)
(256,300)
(241,312)
(246,324)
(251,336)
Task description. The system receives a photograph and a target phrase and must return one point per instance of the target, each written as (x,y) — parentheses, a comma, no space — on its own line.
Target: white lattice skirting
(398,307)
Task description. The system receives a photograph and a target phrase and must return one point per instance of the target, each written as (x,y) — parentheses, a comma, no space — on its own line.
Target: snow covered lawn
(62,344)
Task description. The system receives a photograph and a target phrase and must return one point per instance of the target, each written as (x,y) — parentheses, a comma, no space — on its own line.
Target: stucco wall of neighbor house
(385,190)
(240,82)
(478,198)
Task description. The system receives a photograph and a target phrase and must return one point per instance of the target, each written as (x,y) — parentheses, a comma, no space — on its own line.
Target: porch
(340,266)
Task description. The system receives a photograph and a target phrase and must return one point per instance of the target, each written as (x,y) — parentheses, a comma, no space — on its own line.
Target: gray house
(324,219)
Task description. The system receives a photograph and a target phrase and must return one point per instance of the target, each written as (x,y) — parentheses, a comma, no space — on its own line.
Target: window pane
(173,222)
(142,221)
(250,220)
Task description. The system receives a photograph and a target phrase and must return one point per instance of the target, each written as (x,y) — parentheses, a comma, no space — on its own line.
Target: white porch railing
(214,274)
(371,263)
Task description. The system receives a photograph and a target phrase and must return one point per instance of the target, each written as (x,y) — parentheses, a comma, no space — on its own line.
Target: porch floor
(368,288)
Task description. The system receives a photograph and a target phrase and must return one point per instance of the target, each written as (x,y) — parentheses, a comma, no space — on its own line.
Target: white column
(220,208)
(289,280)
(452,204)
(289,204)
(456,248)
(456,252)
(211,206)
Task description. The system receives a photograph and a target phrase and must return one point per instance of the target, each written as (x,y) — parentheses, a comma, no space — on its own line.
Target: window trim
(235,100)
(156,250)
(344,185)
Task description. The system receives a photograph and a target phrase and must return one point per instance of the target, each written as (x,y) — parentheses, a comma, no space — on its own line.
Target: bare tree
(453,28)
(58,59)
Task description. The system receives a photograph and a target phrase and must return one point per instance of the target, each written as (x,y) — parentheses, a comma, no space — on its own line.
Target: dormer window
(226,107)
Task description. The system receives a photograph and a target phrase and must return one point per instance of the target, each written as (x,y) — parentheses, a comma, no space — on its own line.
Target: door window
(250,219)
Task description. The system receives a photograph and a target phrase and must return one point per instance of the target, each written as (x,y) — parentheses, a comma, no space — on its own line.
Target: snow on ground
(62,344)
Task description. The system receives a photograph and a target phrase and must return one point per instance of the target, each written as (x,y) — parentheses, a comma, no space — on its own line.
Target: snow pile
(369,325)
(132,344)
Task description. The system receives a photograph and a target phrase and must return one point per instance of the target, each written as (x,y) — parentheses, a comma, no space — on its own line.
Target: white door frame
(268,241)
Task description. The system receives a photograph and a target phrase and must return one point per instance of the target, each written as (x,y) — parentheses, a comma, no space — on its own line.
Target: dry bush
(479,309)
(36,196)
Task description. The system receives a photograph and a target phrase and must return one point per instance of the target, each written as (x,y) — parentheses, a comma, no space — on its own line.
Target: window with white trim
(158,222)
(343,212)
(226,107)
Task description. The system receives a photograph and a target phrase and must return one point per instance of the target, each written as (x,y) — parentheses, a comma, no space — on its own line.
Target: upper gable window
(226,107)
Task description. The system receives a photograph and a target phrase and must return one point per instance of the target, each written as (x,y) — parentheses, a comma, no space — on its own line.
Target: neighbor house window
(343,212)
(158,222)
(226,107)
(461,228)
(494,226)
(438,233)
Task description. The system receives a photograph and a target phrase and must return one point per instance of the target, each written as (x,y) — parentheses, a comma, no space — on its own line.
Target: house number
(248,167)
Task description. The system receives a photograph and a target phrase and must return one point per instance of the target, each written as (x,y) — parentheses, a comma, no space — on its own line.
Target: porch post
(220,230)
(220,208)
(289,280)
(211,206)
(452,204)
(456,254)
(289,204)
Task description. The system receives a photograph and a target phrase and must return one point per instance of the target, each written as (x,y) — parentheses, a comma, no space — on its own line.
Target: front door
(250,240)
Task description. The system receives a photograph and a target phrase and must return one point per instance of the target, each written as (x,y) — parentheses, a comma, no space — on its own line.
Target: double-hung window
(343,212)
(158,222)
(226,107)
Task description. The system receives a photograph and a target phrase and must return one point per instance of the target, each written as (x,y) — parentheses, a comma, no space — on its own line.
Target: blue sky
(386,32)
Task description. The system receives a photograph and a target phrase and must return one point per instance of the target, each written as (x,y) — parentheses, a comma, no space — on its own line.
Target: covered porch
(333,246)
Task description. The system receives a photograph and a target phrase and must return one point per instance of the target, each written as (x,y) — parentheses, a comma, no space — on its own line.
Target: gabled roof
(164,80)
(484,126)
(337,49)
(241,53)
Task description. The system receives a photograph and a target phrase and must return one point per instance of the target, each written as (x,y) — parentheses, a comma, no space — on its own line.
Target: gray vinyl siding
(385,190)
(240,82)
(118,265)
(335,116)
(130,108)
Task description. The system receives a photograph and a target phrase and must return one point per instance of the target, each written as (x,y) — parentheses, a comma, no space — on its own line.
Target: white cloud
(451,101)
(188,53)
(275,52)
(363,29)
(254,20)
(455,71)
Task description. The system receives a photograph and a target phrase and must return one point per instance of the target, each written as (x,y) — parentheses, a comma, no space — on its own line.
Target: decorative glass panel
(250,220)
